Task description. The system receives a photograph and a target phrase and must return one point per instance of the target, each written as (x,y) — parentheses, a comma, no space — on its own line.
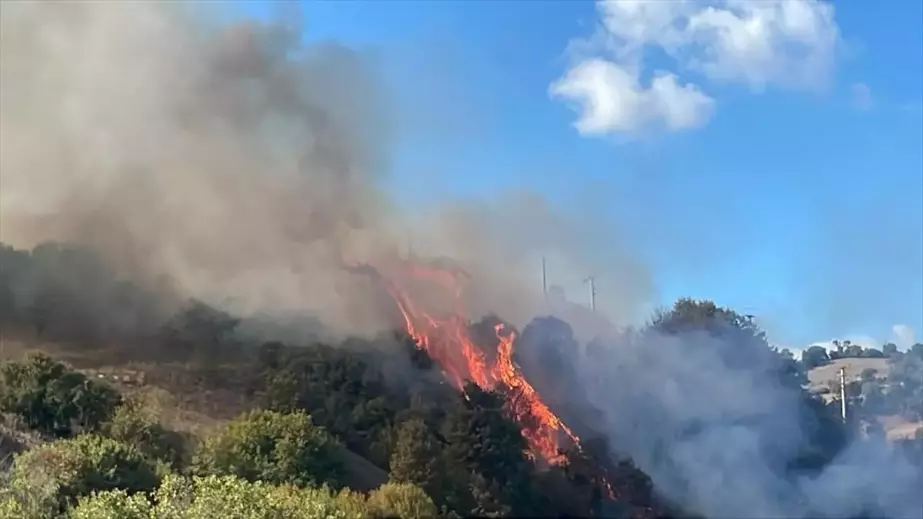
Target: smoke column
(239,163)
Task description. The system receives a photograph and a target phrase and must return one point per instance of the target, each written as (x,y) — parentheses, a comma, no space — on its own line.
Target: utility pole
(544,280)
(592,281)
(843,394)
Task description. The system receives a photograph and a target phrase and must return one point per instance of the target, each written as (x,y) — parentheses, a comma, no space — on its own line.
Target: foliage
(342,393)
(814,356)
(905,384)
(415,456)
(136,425)
(485,457)
(54,399)
(274,447)
(449,453)
(226,497)
(401,500)
(64,470)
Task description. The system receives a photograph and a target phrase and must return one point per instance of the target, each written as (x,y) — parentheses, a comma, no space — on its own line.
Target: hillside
(179,407)
(822,376)
(825,380)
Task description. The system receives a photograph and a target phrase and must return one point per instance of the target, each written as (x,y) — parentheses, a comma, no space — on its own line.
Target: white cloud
(903,336)
(861,96)
(610,99)
(786,43)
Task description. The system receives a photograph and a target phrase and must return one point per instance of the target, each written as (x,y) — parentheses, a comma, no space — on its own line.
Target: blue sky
(776,165)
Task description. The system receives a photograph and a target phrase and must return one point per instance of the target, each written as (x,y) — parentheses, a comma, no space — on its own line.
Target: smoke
(239,164)
(715,426)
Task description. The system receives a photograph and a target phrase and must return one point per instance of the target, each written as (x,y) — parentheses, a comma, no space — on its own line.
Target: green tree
(488,470)
(814,356)
(223,497)
(415,455)
(135,425)
(273,447)
(400,500)
(342,393)
(53,399)
(78,467)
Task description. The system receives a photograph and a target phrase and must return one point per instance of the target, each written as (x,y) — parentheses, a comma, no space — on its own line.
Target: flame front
(448,342)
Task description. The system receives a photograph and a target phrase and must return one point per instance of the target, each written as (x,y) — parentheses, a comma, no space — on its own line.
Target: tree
(415,455)
(273,447)
(400,500)
(342,393)
(889,349)
(53,399)
(485,457)
(814,356)
(134,425)
(79,466)
(225,497)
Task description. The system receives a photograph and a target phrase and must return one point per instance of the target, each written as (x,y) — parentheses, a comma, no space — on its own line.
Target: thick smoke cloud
(233,163)
(715,435)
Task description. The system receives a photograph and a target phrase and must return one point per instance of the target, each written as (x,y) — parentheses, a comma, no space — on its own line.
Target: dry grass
(821,376)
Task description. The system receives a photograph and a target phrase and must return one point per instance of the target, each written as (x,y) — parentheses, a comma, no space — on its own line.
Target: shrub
(53,399)
(225,497)
(273,447)
(67,469)
(135,425)
(114,504)
(401,500)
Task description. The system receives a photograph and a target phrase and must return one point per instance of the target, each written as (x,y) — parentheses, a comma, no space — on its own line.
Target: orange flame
(448,342)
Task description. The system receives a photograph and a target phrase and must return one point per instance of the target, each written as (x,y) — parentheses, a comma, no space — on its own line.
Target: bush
(135,425)
(53,399)
(114,504)
(274,447)
(225,497)
(64,470)
(401,501)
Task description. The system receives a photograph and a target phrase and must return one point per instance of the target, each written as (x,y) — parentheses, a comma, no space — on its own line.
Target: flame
(448,342)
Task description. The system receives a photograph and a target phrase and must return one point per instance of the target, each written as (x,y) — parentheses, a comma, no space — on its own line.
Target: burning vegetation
(447,338)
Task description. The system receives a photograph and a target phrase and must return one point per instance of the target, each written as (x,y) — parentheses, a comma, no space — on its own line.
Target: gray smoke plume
(715,435)
(234,162)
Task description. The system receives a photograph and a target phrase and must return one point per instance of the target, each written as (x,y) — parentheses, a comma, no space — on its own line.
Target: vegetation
(272,447)
(303,412)
(52,399)
(234,498)
(55,474)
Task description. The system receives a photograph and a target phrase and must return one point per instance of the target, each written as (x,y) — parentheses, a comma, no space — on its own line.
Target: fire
(447,340)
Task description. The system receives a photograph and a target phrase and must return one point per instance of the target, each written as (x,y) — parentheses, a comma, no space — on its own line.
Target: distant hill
(825,380)
(821,376)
